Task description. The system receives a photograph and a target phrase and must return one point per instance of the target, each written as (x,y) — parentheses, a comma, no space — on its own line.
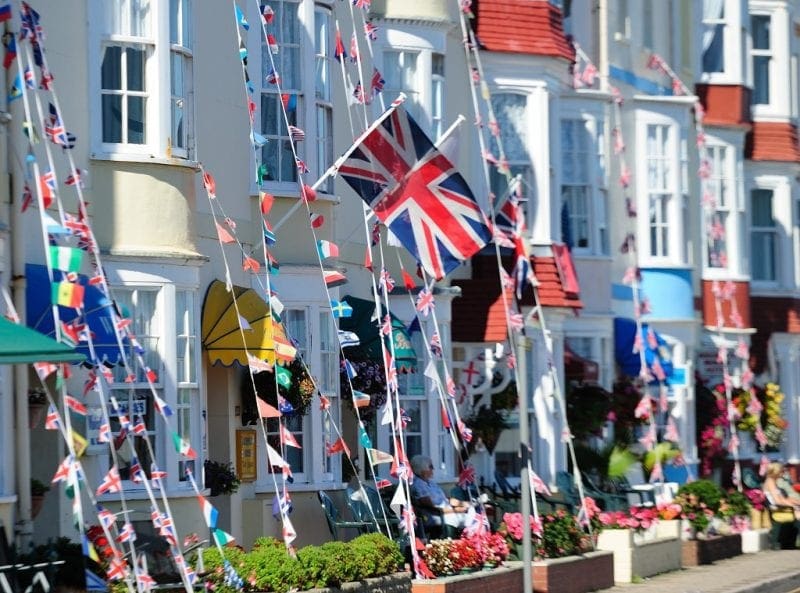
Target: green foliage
(220,477)
(38,488)
(620,461)
(268,567)
(734,504)
(561,536)
(662,452)
(587,410)
(706,491)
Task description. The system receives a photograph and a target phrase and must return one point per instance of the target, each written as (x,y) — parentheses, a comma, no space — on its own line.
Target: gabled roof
(533,27)
(479,315)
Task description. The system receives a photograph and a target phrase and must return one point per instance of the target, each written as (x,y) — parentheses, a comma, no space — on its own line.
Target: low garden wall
(642,557)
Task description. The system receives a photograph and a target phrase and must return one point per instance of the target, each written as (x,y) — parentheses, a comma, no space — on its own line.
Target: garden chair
(607,501)
(334,519)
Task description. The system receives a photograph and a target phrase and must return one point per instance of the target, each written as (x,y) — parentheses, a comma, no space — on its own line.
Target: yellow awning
(222,333)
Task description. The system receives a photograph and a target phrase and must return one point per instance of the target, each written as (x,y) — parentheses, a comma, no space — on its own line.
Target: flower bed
(705,551)
(641,559)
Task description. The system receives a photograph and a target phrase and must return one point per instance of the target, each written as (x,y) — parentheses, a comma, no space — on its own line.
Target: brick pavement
(774,571)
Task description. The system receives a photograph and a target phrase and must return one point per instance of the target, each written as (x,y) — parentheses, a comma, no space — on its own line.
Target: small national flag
(317,220)
(210,513)
(222,538)
(51,422)
(273,77)
(75,405)
(30,79)
(341,309)
(183,447)
(267,14)
(339,52)
(365,4)
(272,43)
(67,294)
(288,439)
(266,410)
(376,82)
(68,259)
(361,399)
(269,234)
(161,406)
(111,482)
(371,31)
(16,89)
(327,249)
(5,12)
(11,51)
(353,48)
(240,18)
(296,134)
(289,101)
(334,278)
(338,447)
(377,456)
(62,472)
(283,376)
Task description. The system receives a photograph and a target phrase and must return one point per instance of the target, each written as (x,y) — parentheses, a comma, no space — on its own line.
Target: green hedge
(268,567)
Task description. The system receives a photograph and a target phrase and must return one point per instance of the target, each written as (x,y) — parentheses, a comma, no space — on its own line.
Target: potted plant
(220,477)
(700,504)
(38,490)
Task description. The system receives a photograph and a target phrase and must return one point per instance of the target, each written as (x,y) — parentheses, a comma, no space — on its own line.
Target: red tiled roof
(479,315)
(551,289)
(522,26)
(772,141)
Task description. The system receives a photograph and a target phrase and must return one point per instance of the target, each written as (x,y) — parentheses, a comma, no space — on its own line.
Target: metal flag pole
(523,346)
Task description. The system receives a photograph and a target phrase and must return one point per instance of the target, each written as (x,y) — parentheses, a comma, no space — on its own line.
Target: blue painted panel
(669,291)
(637,82)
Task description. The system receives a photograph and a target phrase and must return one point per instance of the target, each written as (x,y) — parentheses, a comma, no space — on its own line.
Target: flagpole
(522,348)
(335,166)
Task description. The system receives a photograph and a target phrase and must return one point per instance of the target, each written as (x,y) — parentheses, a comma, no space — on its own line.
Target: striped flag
(67,294)
(210,513)
(288,439)
(223,538)
(327,249)
(296,134)
(75,405)
(334,278)
(183,447)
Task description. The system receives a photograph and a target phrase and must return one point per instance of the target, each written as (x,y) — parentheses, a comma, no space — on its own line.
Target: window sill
(187,492)
(293,193)
(306,487)
(144,159)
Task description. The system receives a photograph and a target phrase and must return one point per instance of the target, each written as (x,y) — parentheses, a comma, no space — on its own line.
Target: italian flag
(67,294)
(68,259)
(183,447)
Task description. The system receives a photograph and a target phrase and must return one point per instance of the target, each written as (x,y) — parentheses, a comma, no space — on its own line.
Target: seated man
(426,493)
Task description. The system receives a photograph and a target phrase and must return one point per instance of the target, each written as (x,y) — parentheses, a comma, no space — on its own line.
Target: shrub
(561,536)
(735,504)
(268,567)
(699,500)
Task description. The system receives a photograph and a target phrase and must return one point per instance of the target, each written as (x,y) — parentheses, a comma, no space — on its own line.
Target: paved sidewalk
(776,571)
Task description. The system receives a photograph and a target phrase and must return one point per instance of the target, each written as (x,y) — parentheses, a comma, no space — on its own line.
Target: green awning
(22,345)
(367,329)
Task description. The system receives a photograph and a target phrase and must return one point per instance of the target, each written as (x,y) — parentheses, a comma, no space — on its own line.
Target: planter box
(640,559)
(507,579)
(705,551)
(574,574)
(755,540)
(394,583)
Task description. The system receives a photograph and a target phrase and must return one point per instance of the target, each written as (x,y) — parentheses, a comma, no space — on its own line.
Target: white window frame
(779,65)
(781,188)
(323,92)
(424,41)
(166,280)
(595,182)
(722,185)
(183,50)
(673,191)
(302,291)
(767,231)
(518,165)
(157,146)
(727,31)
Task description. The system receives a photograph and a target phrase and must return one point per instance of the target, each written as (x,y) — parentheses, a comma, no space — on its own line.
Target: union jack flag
(56,130)
(417,192)
(376,82)
(365,4)
(425,302)
(436,345)
(105,517)
(387,280)
(126,534)
(371,31)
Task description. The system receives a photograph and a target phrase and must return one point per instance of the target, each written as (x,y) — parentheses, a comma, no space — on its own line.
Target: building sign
(246,466)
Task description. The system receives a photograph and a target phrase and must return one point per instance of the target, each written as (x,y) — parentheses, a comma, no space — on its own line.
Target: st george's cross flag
(416,191)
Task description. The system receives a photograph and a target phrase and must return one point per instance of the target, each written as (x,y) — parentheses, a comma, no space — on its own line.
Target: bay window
(134,57)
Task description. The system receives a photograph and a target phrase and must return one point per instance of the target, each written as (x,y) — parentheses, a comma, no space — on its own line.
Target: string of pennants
(723,292)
